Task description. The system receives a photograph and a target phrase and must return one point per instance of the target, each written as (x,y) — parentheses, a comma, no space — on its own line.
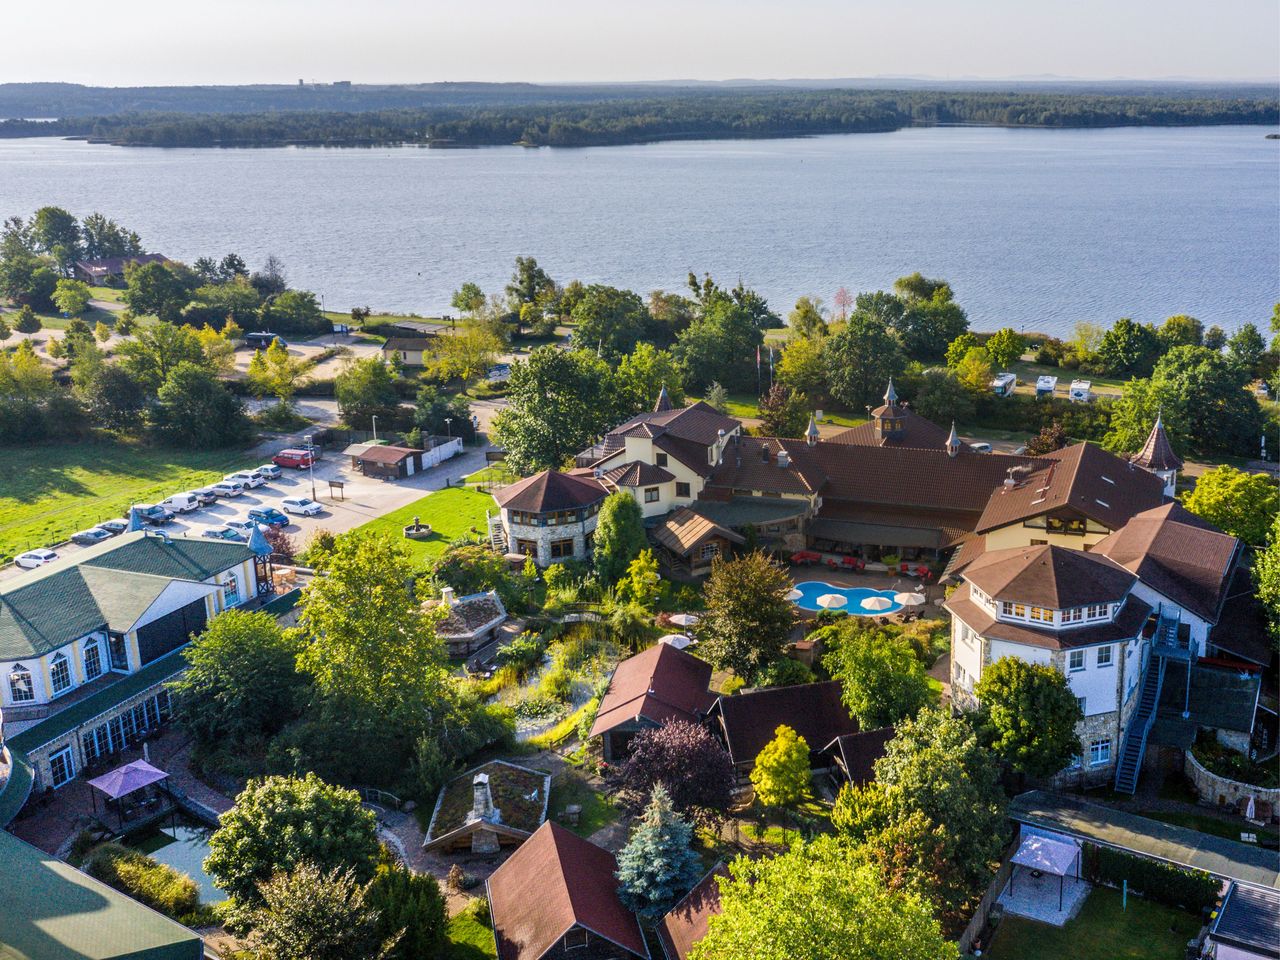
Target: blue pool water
(811,590)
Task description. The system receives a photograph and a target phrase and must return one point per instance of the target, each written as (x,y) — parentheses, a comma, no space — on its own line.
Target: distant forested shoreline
(675,116)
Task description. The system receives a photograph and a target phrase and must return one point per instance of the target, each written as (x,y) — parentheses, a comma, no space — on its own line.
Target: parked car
(246,478)
(35,558)
(260,340)
(87,538)
(304,506)
(268,471)
(1003,383)
(980,447)
(153,515)
(294,458)
(224,532)
(228,488)
(245,527)
(114,527)
(269,516)
(206,495)
(499,373)
(181,503)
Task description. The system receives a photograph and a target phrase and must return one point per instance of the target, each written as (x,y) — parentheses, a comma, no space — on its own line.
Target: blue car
(224,532)
(269,516)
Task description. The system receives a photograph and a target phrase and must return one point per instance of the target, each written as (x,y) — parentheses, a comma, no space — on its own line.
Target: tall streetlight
(448,427)
(375,428)
(311,464)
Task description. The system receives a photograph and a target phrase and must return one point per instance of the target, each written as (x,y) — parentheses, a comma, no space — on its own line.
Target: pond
(811,590)
(182,845)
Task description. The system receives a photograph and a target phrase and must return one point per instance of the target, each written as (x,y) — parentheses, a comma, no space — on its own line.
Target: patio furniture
(122,783)
(805,558)
(876,603)
(832,601)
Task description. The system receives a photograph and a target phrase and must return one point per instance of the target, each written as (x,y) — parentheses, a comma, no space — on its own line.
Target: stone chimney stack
(446,596)
(482,804)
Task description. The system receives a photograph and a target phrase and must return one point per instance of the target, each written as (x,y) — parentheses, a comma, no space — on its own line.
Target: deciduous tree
(313,914)
(194,410)
(783,413)
(365,388)
(1029,715)
(749,617)
(861,358)
(883,680)
(686,759)
(1129,349)
(1004,347)
(641,376)
(72,296)
(806,320)
(1241,504)
(781,772)
(620,536)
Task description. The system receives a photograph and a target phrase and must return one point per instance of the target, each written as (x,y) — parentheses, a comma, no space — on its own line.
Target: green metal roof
(16,789)
(109,585)
(52,911)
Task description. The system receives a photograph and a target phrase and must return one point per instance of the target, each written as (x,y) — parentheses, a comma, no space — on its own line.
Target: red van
(297,459)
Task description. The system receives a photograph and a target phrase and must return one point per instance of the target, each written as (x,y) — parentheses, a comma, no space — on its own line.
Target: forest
(689,113)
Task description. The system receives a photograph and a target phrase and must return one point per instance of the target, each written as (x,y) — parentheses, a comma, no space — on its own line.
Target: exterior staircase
(1135,739)
(497,535)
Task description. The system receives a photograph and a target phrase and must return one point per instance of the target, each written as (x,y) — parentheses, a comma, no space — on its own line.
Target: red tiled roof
(813,710)
(661,683)
(1049,576)
(686,923)
(555,881)
(550,490)
(1126,625)
(916,432)
(1157,453)
(638,474)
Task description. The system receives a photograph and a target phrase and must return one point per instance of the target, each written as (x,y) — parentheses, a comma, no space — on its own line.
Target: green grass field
(452,513)
(1101,931)
(743,406)
(48,493)
(598,810)
(470,937)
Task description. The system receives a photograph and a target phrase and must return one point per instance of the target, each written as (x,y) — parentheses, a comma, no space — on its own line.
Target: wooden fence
(979,921)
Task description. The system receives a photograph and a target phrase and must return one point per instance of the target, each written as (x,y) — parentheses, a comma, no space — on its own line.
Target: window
(682,490)
(1099,752)
(1073,615)
(1081,700)
(117,652)
(528,547)
(1018,610)
(661,460)
(1075,660)
(576,939)
(230,591)
(650,494)
(62,767)
(21,689)
(1039,543)
(60,674)
(1097,611)
(561,549)
(1041,615)
(709,550)
(92,662)
(1105,655)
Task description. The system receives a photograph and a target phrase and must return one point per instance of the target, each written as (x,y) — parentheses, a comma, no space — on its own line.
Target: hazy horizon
(238,42)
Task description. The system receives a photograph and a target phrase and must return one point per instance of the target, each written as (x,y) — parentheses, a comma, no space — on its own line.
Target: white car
(246,478)
(303,506)
(228,488)
(35,558)
(268,471)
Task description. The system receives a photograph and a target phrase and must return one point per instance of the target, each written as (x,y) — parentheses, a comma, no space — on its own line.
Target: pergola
(123,781)
(1055,856)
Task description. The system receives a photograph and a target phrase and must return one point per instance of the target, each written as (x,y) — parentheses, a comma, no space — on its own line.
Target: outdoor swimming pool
(811,590)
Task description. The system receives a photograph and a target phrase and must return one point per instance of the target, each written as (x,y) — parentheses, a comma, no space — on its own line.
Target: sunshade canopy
(1055,856)
(123,781)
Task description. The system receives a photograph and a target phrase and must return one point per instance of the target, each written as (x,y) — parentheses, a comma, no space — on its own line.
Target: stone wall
(1214,790)
(542,536)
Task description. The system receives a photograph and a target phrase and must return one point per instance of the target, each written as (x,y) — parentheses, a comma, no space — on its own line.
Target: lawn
(470,938)
(48,493)
(495,473)
(598,810)
(744,406)
(1102,931)
(452,513)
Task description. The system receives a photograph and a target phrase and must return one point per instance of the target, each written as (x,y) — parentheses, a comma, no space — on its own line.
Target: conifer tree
(656,867)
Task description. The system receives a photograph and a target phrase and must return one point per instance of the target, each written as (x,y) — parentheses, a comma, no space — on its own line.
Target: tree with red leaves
(686,759)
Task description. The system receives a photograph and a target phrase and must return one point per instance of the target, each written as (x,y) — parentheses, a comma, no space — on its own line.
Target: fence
(979,921)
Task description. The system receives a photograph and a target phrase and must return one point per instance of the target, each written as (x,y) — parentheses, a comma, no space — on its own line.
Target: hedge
(158,886)
(1173,886)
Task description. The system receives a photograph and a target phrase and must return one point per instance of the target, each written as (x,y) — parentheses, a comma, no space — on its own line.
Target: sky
(138,42)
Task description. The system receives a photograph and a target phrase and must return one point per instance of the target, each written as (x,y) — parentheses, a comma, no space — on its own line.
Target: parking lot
(362,499)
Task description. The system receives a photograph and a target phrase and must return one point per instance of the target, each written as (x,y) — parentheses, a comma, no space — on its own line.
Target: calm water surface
(1034,228)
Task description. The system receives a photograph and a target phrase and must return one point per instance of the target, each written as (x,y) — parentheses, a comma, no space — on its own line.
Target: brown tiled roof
(916,432)
(751,463)
(699,422)
(686,923)
(550,490)
(970,550)
(684,530)
(661,683)
(1177,554)
(638,474)
(1049,576)
(1242,628)
(468,615)
(859,752)
(1126,625)
(385,453)
(406,344)
(813,710)
(1082,477)
(692,454)
(555,881)
(1157,453)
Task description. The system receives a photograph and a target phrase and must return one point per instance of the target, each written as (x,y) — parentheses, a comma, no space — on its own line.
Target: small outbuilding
(746,722)
(686,923)
(388,462)
(470,622)
(410,351)
(496,805)
(692,542)
(853,756)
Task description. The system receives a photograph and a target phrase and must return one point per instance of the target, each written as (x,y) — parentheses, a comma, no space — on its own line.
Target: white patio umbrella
(684,619)
(794,594)
(677,640)
(876,603)
(909,599)
(831,601)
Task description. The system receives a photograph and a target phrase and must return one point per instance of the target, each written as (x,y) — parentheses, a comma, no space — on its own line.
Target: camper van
(1081,391)
(1003,384)
(1046,385)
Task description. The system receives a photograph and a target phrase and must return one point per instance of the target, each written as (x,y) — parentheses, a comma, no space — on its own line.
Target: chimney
(482,800)
(784,459)
(446,596)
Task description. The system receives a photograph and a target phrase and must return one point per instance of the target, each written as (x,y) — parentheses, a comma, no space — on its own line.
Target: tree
(241,686)
(916,287)
(56,232)
(29,279)
(559,402)
(27,322)
(5,330)
(657,867)
(933,819)
(293,311)
(1246,348)
(1029,715)
(467,353)
(1239,503)
(468,299)
(72,296)
(670,312)
(159,289)
(803,367)
(806,320)
(1129,349)
(749,617)
(861,358)
(370,637)
(815,901)
(1266,578)
(720,344)
(365,388)
(194,410)
(411,905)
(883,679)
(218,303)
(528,283)
(312,914)
(926,324)
(843,302)
(103,238)
(686,759)
(1004,347)
(974,371)
(642,584)
(783,413)
(642,374)
(620,536)
(276,372)
(219,348)
(1181,331)
(270,280)
(781,772)
(1086,339)
(101,332)
(941,397)
(113,398)
(610,321)
(1050,438)
(717,397)
(279,823)
(158,350)
(1215,338)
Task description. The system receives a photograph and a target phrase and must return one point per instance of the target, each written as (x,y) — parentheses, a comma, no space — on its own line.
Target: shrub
(732,685)
(523,653)
(1174,887)
(158,886)
(80,847)
(783,672)
(411,905)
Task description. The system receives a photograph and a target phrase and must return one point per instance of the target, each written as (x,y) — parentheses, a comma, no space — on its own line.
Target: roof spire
(664,400)
(953,441)
(811,432)
(890,395)
(1157,453)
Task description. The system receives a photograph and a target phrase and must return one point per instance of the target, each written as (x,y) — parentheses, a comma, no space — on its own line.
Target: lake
(1035,229)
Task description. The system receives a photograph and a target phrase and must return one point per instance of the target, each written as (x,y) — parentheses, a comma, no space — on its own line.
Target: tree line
(685,115)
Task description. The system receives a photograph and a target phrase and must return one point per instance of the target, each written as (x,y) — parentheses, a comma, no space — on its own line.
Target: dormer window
(21,689)
(60,674)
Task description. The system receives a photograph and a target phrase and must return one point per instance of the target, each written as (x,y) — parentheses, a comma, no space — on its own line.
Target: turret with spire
(953,441)
(664,401)
(889,418)
(811,432)
(1157,456)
